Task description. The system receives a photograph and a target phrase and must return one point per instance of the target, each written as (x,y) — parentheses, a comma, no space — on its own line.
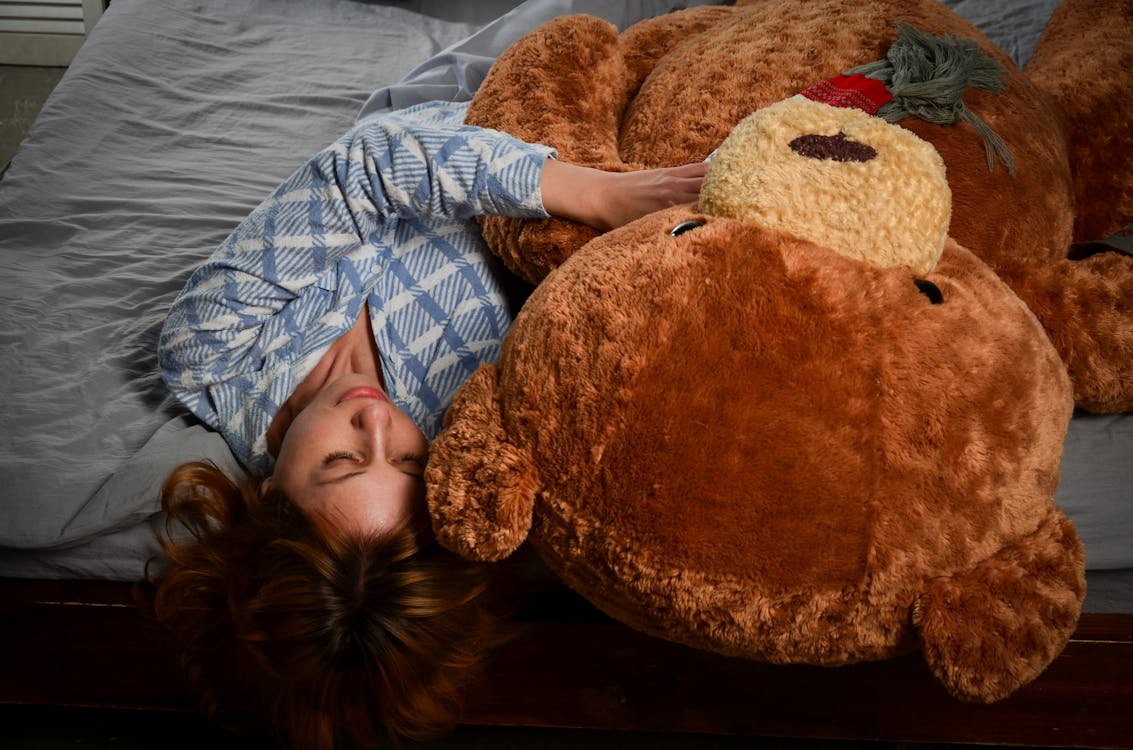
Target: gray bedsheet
(171,125)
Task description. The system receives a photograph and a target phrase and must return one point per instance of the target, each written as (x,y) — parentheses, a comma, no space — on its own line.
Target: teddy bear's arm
(1084,61)
(646,42)
(992,629)
(480,488)
(567,84)
(1086,307)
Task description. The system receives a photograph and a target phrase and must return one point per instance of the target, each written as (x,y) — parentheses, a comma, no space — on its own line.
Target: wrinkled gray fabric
(173,122)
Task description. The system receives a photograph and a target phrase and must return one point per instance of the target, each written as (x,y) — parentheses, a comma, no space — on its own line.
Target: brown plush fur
(740,440)
(672,88)
(1083,63)
(780,486)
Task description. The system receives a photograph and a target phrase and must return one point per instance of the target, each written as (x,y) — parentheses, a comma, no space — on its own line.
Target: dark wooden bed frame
(88,643)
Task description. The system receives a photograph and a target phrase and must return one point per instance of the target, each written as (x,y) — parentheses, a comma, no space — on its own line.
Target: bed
(171,124)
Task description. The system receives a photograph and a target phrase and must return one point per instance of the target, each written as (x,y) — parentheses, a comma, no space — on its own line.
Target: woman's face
(353,456)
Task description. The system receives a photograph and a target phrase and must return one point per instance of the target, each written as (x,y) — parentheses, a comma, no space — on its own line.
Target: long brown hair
(295,625)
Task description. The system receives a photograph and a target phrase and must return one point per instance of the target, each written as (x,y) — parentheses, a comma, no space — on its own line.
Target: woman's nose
(374,418)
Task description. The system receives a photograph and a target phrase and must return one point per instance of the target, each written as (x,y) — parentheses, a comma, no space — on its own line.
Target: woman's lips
(363,392)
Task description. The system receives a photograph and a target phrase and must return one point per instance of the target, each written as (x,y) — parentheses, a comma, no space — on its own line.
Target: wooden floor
(66,644)
(38,728)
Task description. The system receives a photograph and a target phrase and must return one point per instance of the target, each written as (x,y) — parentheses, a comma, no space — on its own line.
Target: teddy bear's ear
(481,489)
(993,628)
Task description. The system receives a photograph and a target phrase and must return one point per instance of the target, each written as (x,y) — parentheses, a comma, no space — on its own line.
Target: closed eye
(333,474)
(331,458)
(417,460)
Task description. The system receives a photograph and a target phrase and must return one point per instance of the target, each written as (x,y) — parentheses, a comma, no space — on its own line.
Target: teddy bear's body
(744,439)
(856,475)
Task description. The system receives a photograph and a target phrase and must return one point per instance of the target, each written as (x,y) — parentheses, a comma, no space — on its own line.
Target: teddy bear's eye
(930,290)
(685,226)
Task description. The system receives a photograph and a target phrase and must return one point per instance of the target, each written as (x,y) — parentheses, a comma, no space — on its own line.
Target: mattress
(171,124)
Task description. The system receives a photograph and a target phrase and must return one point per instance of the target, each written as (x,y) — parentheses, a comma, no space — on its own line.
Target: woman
(324,339)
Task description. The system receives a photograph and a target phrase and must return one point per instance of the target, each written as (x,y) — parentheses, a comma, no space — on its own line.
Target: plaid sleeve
(283,266)
(426,163)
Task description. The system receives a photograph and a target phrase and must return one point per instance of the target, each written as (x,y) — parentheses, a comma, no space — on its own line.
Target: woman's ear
(265,487)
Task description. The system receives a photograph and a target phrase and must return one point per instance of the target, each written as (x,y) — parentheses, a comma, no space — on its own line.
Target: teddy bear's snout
(832,148)
(858,173)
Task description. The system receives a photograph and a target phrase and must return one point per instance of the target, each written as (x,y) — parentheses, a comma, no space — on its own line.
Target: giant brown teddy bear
(725,434)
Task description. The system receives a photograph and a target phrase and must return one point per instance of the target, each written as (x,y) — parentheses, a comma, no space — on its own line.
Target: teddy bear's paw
(990,630)
(481,489)
(1086,307)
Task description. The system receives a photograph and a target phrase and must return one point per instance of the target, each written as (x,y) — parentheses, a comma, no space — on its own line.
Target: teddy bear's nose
(832,148)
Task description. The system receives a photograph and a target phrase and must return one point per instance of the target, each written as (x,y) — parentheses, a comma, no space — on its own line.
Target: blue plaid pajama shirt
(381,216)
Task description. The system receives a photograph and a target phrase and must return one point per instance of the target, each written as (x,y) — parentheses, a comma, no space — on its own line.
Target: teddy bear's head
(786,424)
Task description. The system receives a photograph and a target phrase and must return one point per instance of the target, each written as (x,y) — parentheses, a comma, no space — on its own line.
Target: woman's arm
(325,233)
(607,200)
(322,234)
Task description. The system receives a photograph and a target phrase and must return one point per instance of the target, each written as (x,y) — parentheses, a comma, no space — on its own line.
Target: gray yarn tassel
(927,76)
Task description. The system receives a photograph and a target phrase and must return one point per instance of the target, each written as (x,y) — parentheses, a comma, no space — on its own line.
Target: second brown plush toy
(669,90)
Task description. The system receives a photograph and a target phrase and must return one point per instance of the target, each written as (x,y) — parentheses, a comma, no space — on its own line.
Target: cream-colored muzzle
(837,177)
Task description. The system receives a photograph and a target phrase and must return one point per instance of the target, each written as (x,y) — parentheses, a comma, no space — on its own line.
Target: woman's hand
(606,200)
